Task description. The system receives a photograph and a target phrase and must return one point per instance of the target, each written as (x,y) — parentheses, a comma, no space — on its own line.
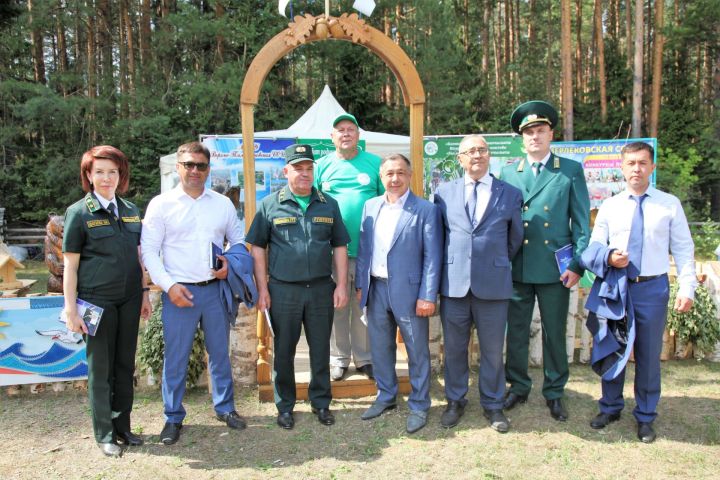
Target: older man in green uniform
(305,236)
(555,213)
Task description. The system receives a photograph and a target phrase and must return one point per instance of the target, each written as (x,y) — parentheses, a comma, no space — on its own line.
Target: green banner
(322,147)
(441,163)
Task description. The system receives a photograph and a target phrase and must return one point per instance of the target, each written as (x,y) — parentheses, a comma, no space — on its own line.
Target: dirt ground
(49,435)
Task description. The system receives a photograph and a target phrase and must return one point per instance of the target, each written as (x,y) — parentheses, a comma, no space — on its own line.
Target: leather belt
(379,279)
(200,284)
(640,279)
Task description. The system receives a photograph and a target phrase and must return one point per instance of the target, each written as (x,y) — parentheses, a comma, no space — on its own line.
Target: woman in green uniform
(102,266)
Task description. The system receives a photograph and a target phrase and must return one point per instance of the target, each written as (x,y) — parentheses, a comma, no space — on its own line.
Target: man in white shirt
(397,278)
(179,229)
(640,227)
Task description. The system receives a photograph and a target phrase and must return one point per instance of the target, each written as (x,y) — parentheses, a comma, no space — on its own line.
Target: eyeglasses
(201,167)
(475,151)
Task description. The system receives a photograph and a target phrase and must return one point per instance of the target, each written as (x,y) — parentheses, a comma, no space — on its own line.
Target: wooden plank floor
(354,384)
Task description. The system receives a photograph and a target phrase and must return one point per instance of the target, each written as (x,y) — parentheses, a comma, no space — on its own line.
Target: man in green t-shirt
(351,177)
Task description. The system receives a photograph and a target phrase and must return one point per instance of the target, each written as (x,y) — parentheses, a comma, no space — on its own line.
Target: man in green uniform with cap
(306,237)
(556,209)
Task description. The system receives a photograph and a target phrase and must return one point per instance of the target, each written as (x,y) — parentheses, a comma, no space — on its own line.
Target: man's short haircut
(105,152)
(194,147)
(395,156)
(638,147)
(467,138)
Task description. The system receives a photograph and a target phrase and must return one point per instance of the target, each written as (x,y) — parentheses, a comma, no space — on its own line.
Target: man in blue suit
(397,278)
(483,231)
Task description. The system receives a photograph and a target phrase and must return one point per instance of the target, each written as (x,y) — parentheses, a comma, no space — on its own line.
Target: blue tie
(471,204)
(635,243)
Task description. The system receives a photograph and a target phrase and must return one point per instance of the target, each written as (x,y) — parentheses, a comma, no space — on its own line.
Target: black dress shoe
(170,433)
(451,415)
(286,420)
(557,409)
(129,439)
(324,415)
(512,399)
(498,420)
(646,433)
(602,420)
(367,370)
(111,449)
(232,420)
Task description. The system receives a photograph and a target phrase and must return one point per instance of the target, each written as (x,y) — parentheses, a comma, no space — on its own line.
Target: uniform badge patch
(328,220)
(284,221)
(98,223)
(135,219)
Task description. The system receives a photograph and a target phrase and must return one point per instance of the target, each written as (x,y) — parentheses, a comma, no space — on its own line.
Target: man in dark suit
(483,231)
(397,278)
(555,213)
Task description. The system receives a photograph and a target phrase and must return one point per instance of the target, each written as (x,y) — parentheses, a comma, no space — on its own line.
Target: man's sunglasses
(201,167)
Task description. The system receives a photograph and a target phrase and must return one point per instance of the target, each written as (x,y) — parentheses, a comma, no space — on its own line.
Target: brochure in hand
(563,257)
(215,262)
(90,313)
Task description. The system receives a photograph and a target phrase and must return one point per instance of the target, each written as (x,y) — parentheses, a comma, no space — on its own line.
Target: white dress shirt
(665,230)
(180,228)
(384,232)
(484,190)
(105,202)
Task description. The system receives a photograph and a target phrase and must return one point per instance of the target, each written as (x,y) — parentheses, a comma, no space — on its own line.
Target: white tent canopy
(315,123)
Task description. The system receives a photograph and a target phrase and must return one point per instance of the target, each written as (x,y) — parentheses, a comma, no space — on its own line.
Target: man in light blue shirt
(640,226)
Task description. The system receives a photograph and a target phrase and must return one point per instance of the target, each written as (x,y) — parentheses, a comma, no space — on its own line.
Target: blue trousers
(382,325)
(650,301)
(179,326)
(458,315)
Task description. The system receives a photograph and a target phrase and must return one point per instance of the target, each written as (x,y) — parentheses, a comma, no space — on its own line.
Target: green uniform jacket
(109,266)
(556,211)
(301,243)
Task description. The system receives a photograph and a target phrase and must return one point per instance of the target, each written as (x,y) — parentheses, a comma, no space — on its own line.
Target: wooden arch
(306,29)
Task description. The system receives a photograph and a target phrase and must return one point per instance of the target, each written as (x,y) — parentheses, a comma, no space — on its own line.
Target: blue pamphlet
(563,257)
(215,262)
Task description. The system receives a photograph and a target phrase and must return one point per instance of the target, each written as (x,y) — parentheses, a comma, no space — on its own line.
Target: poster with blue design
(35,345)
(226,167)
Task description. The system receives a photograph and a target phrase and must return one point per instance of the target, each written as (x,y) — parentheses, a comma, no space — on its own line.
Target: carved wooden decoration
(299,31)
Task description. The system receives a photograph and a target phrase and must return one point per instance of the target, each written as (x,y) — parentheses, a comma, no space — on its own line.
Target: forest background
(148,75)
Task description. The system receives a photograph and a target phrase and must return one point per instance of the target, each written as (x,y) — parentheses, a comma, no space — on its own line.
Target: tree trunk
(628,33)
(549,71)
(506,40)
(62,46)
(485,32)
(36,38)
(567,74)
(600,46)
(105,47)
(656,95)
(144,37)
(125,17)
(122,63)
(91,69)
(636,130)
(578,49)
(532,29)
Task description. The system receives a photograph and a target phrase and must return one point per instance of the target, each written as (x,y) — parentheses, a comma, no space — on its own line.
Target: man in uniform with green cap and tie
(555,212)
(306,238)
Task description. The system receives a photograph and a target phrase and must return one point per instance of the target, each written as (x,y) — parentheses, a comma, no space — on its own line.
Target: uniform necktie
(112,209)
(635,242)
(472,204)
(536,166)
